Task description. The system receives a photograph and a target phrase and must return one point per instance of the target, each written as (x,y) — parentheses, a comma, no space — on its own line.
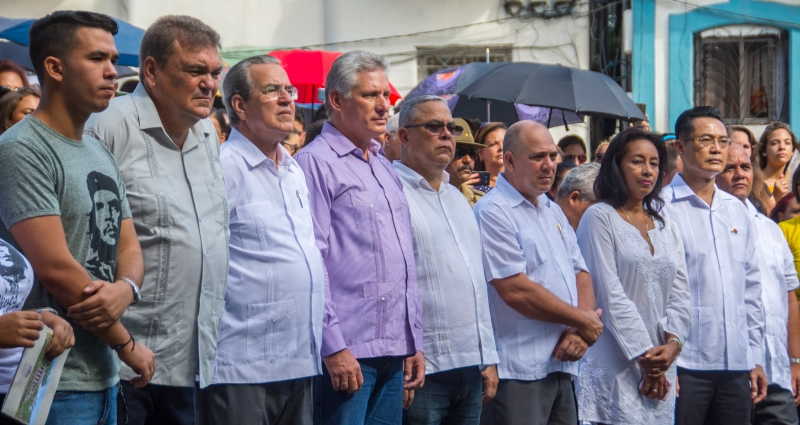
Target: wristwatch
(134,288)
(794,360)
(676,340)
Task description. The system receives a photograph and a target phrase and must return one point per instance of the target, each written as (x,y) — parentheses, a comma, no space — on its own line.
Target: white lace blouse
(642,296)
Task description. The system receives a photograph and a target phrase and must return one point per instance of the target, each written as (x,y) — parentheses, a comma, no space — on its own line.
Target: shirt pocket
(705,333)
(248,225)
(148,206)
(271,331)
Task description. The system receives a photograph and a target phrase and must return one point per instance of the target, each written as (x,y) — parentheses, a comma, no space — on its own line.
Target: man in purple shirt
(372,334)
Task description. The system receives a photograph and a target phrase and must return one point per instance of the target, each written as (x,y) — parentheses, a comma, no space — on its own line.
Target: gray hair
(580,178)
(344,71)
(409,107)
(190,32)
(238,81)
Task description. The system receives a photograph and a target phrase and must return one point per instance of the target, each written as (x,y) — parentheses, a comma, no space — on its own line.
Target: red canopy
(308,69)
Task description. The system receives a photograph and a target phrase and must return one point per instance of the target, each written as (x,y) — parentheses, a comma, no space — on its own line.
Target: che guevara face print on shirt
(104,225)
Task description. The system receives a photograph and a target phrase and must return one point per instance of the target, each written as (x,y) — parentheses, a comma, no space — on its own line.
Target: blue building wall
(683,27)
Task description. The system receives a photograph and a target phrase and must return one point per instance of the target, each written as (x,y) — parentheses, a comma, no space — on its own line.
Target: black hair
(684,124)
(610,185)
(53,34)
(569,140)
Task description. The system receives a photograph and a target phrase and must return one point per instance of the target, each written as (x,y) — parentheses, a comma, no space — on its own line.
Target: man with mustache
(462,166)
(169,157)
(461,359)
(372,335)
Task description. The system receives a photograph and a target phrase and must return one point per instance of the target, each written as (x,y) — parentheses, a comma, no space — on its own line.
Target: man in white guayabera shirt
(541,292)
(719,368)
(778,282)
(458,339)
(270,336)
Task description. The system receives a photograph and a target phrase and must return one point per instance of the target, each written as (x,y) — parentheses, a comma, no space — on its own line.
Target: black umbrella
(447,82)
(555,86)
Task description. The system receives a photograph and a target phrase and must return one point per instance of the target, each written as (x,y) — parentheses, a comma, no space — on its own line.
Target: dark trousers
(548,401)
(777,409)
(275,403)
(4,420)
(713,397)
(156,405)
(452,397)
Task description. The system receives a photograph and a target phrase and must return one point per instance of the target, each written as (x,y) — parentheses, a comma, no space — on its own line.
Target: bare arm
(43,241)
(536,302)
(130,263)
(586,300)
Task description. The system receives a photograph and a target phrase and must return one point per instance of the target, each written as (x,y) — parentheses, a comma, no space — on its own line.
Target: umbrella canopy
(447,82)
(128,38)
(555,86)
(307,71)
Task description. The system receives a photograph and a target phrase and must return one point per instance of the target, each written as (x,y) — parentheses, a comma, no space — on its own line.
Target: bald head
(522,131)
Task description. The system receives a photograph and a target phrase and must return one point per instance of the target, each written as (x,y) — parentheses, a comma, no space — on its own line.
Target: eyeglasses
(707,140)
(273,91)
(436,127)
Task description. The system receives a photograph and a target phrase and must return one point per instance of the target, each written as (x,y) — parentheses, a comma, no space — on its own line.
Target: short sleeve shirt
(43,173)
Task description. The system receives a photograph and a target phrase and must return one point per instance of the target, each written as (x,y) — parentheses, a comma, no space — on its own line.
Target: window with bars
(741,70)
(432,59)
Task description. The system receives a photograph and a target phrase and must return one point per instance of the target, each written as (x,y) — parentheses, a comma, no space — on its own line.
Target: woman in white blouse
(635,257)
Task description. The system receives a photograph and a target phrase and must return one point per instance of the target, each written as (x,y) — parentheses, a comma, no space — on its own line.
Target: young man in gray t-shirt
(62,202)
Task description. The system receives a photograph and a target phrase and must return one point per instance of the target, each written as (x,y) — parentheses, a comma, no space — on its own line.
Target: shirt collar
(341,144)
(253,155)
(149,118)
(414,179)
(751,208)
(681,190)
(513,197)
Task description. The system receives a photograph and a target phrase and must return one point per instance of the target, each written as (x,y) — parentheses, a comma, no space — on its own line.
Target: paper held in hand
(31,393)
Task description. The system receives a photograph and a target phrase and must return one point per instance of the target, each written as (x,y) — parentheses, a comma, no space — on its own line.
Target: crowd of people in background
(211,258)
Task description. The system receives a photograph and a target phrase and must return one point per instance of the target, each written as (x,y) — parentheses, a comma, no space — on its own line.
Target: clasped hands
(654,364)
(103,304)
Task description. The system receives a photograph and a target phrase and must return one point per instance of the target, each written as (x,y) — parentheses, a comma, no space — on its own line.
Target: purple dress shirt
(363,229)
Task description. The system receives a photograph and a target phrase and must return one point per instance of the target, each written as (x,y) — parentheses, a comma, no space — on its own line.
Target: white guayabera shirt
(519,237)
(457,326)
(727,331)
(778,278)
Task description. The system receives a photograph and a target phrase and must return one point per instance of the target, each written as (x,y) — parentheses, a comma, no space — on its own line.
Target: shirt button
(383,298)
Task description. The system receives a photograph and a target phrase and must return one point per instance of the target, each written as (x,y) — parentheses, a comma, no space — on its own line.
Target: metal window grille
(742,76)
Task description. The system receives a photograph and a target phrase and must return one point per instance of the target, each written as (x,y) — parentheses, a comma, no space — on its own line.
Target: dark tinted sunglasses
(436,127)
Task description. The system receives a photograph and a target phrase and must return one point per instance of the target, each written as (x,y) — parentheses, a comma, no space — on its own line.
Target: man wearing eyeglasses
(461,358)
(269,341)
(168,154)
(719,370)
(372,336)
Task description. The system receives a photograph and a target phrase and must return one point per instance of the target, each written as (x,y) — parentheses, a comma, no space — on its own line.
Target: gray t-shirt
(43,173)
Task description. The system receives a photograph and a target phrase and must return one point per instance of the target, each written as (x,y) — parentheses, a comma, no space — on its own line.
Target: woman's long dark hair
(610,185)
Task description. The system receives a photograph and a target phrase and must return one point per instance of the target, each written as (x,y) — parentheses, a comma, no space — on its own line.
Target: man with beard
(168,154)
(103,223)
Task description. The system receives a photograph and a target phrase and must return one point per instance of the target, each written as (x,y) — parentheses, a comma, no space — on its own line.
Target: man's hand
(408,398)
(590,325)
(103,306)
(414,371)
(571,347)
(141,360)
(490,381)
(758,384)
(658,359)
(20,329)
(63,336)
(345,371)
